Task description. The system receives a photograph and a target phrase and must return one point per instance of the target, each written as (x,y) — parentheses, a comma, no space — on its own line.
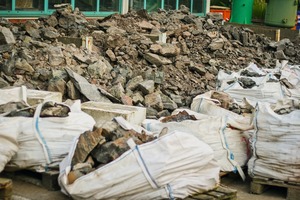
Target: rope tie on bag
(142,163)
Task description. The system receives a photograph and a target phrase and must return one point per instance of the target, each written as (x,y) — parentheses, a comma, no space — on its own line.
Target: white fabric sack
(204,104)
(275,145)
(17,94)
(9,131)
(292,75)
(9,128)
(175,165)
(46,141)
(265,90)
(228,142)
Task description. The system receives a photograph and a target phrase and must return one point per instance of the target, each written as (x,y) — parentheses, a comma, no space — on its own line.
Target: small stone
(151,113)
(186,34)
(137,98)
(22,64)
(86,143)
(145,25)
(111,55)
(280,55)
(200,70)
(57,85)
(32,28)
(98,35)
(156,59)
(52,21)
(72,92)
(216,44)
(168,103)
(3,83)
(177,99)
(50,33)
(133,83)
(126,100)
(117,91)
(6,36)
(99,69)
(154,100)
(169,50)
(56,56)
(147,86)
(155,48)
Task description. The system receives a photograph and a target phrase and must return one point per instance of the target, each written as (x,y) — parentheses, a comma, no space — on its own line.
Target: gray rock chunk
(177,99)
(50,33)
(147,86)
(6,36)
(6,48)
(98,69)
(52,21)
(280,55)
(145,25)
(168,103)
(157,76)
(32,28)
(3,83)
(72,92)
(137,98)
(22,64)
(133,83)
(90,91)
(117,91)
(169,50)
(156,59)
(154,100)
(57,84)
(216,44)
(56,56)
(200,70)
(111,55)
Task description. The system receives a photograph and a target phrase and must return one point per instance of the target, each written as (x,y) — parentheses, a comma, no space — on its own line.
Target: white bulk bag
(46,141)
(204,104)
(17,94)
(175,165)
(9,130)
(292,75)
(275,145)
(266,89)
(228,142)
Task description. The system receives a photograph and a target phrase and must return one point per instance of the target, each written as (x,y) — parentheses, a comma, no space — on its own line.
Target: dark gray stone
(146,87)
(90,91)
(6,36)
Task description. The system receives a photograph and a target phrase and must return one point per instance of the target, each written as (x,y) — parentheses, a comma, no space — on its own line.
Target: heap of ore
(127,65)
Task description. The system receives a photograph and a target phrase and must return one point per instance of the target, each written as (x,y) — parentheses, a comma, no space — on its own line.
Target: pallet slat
(260,184)
(218,193)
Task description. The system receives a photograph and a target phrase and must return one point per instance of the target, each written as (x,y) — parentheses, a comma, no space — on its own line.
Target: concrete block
(38,96)
(103,112)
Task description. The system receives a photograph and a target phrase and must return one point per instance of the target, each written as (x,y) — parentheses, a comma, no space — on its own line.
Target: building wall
(96,8)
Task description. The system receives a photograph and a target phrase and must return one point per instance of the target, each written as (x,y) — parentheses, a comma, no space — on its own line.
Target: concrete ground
(28,191)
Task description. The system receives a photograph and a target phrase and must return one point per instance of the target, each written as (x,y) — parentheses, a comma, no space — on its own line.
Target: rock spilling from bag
(126,63)
(99,147)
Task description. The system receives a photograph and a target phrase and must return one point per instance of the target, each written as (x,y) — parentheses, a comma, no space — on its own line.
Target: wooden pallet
(220,193)
(5,188)
(48,179)
(260,184)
